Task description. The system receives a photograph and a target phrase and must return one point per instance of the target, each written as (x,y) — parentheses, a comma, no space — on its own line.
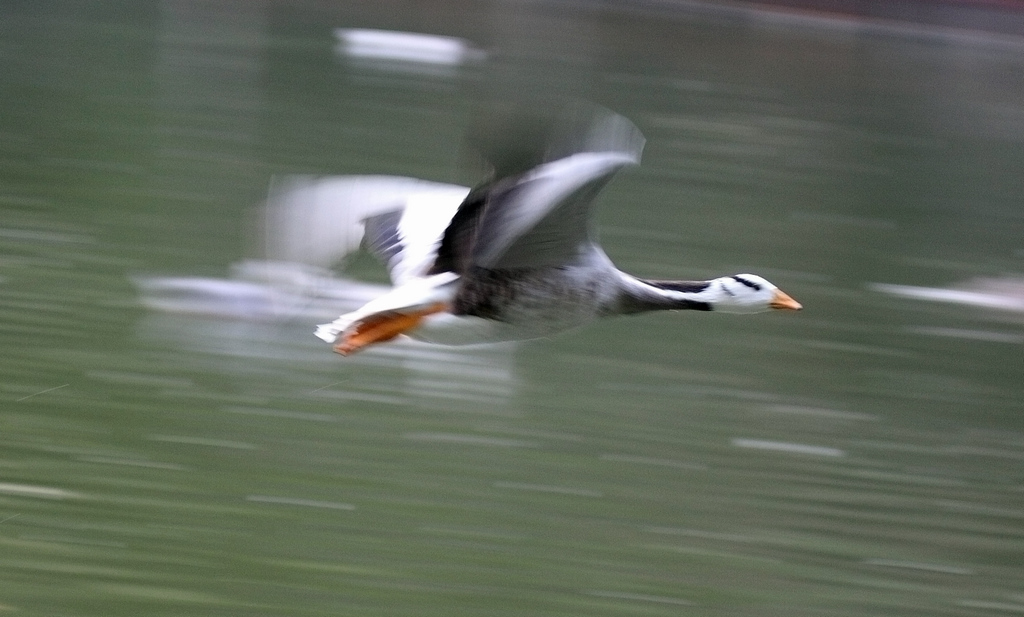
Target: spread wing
(406,238)
(319,221)
(544,219)
(540,217)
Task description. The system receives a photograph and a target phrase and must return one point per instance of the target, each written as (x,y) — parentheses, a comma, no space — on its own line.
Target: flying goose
(516,258)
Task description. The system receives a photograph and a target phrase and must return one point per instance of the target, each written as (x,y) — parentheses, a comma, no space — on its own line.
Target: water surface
(864,457)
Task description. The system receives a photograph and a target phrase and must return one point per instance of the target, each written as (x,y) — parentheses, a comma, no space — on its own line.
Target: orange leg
(382,328)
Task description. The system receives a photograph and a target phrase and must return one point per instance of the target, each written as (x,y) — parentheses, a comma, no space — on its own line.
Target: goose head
(747,293)
(739,293)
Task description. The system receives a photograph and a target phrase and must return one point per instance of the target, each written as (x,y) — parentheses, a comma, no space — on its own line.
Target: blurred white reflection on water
(411,52)
(1005,294)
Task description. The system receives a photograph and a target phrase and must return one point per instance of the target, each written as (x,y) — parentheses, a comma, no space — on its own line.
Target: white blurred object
(207,296)
(409,51)
(1005,294)
(257,291)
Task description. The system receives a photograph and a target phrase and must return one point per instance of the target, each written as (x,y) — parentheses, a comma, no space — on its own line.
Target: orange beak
(781,300)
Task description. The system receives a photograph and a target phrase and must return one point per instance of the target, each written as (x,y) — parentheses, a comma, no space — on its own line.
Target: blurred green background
(864,457)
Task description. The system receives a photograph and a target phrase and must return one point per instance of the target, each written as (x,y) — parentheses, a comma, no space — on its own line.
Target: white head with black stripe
(746,293)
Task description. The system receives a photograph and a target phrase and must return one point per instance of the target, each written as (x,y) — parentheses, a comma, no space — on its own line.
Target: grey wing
(544,219)
(381,237)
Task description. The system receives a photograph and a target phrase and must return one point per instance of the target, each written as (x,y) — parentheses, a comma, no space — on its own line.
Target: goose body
(515,258)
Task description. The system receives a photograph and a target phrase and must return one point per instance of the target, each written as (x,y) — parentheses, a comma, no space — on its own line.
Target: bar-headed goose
(516,258)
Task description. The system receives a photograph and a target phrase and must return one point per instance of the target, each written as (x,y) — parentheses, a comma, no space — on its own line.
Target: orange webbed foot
(382,328)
